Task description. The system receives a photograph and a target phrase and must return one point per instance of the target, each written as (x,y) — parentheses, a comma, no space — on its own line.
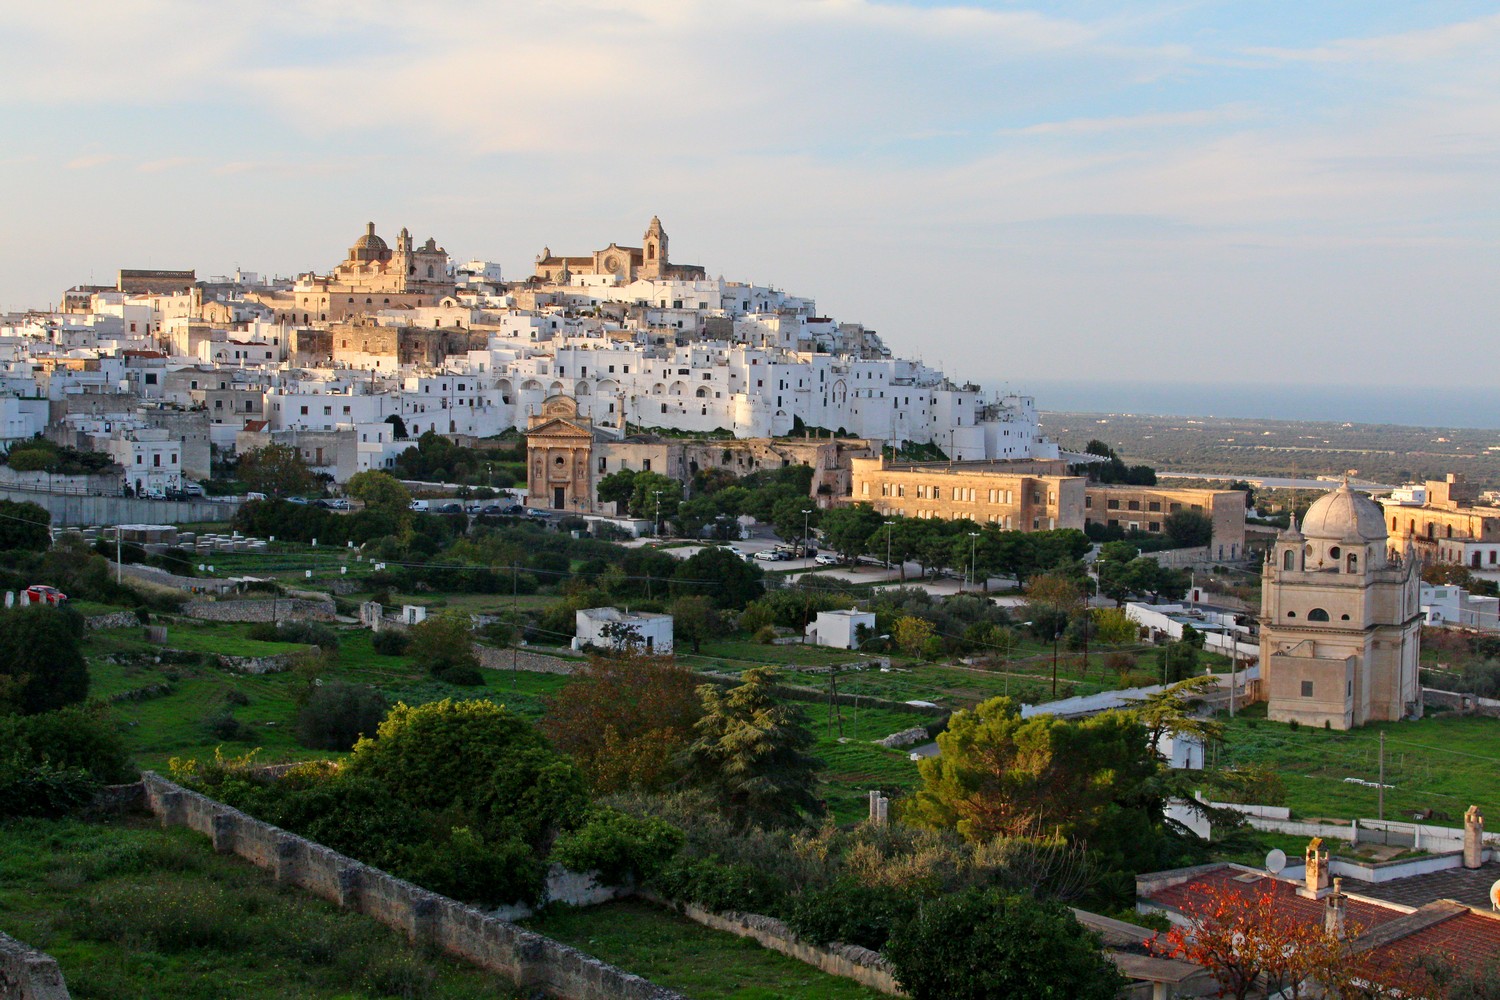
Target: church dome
(1344,514)
(369,246)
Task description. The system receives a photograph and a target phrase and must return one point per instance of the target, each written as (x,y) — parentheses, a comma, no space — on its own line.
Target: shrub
(978,944)
(40,788)
(234,696)
(222,725)
(74,737)
(460,675)
(307,633)
(389,642)
(851,913)
(765,635)
(618,847)
(336,715)
(143,615)
(716,886)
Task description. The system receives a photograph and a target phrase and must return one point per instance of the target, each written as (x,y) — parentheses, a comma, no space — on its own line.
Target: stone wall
(530,960)
(492,658)
(1460,702)
(28,974)
(115,619)
(82,511)
(281,609)
(866,967)
(274,664)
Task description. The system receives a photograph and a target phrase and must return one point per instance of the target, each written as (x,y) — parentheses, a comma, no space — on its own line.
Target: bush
(765,635)
(306,633)
(234,696)
(222,725)
(336,715)
(460,675)
(389,642)
(851,913)
(143,615)
(715,886)
(74,737)
(40,788)
(618,847)
(978,944)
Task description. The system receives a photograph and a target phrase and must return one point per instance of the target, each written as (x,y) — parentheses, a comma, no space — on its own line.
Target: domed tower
(1339,627)
(370,248)
(654,250)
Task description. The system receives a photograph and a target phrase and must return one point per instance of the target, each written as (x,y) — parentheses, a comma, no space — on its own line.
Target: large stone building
(1023,495)
(1447,525)
(567,455)
(624,264)
(1340,624)
(1146,508)
(371,278)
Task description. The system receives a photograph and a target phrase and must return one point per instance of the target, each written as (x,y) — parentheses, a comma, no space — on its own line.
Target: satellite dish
(1276,861)
(1495,895)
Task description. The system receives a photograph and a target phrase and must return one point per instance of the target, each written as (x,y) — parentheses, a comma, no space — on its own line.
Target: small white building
(840,629)
(611,628)
(1445,604)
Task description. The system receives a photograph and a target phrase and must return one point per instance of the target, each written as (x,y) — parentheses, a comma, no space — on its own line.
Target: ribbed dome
(1345,514)
(369,246)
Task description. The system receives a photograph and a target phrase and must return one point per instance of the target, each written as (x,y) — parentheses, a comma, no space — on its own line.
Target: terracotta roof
(256,426)
(1287,900)
(1471,940)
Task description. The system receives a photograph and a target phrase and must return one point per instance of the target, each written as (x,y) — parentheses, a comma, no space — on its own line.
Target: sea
(1411,406)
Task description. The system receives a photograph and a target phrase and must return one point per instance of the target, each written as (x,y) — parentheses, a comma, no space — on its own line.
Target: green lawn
(174,725)
(130,910)
(1443,762)
(672,951)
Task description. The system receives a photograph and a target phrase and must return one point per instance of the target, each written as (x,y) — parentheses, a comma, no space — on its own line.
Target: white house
(611,628)
(841,629)
(1450,605)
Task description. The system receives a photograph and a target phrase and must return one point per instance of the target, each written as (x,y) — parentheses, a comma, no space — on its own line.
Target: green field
(131,910)
(1444,763)
(673,951)
(174,724)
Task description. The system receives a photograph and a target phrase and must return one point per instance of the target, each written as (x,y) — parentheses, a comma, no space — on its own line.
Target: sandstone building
(625,264)
(1448,525)
(1024,495)
(1340,624)
(1146,508)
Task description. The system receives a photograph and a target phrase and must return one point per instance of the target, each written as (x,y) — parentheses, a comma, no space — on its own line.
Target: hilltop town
(411,631)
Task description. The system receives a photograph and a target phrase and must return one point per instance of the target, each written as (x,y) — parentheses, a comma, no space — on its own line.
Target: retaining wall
(493,658)
(72,511)
(866,967)
(28,974)
(1463,704)
(281,609)
(115,619)
(530,960)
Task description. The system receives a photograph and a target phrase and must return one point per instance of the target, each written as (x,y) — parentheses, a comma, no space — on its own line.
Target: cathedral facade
(648,261)
(372,277)
(1340,626)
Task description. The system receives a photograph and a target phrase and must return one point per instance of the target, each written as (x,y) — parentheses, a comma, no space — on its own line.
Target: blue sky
(1292,193)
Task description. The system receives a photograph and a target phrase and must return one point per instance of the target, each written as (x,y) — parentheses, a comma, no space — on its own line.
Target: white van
(420,506)
(254,496)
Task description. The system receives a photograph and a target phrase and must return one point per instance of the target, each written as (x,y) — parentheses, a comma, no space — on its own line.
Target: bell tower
(654,250)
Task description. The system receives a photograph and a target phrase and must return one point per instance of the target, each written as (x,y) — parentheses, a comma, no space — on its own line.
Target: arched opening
(702,393)
(1353,563)
(1317,615)
(1289,560)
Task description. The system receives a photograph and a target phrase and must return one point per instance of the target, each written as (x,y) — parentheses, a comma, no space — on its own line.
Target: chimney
(1317,869)
(1333,911)
(1473,838)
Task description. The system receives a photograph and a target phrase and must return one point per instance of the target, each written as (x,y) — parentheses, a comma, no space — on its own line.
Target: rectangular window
(156,460)
(1307,689)
(304,411)
(1088,503)
(1113,504)
(1154,505)
(646,465)
(1134,505)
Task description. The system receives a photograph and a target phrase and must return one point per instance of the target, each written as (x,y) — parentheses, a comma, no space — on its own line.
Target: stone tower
(654,250)
(1339,626)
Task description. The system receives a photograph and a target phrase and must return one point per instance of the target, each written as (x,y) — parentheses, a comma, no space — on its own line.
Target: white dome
(1345,515)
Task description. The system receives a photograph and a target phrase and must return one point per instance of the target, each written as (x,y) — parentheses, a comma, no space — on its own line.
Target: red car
(40,593)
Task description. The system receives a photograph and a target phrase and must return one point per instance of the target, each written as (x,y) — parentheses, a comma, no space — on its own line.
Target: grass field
(1443,762)
(174,724)
(673,951)
(130,910)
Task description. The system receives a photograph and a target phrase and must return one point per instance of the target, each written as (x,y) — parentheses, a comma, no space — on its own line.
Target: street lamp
(973,548)
(658,512)
(804,531)
(888,544)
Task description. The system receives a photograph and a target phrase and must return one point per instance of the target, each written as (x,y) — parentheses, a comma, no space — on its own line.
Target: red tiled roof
(1470,939)
(1178,897)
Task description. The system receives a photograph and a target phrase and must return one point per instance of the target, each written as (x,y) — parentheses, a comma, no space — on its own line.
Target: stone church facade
(648,261)
(1340,626)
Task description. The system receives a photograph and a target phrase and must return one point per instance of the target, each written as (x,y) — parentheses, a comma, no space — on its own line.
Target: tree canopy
(41,659)
(24,526)
(276,470)
(378,490)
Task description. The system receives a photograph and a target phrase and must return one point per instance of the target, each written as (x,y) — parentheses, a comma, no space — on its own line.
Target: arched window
(429,270)
(1291,614)
(1317,615)
(1353,563)
(651,251)
(1289,561)
(1450,531)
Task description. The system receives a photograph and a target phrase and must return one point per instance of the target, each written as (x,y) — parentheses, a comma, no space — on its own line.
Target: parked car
(450,508)
(513,510)
(40,593)
(827,559)
(322,502)
(420,506)
(772,555)
(302,500)
(491,510)
(252,495)
(192,489)
(338,503)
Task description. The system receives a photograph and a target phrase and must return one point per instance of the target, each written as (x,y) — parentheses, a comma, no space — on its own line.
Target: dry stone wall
(530,960)
(28,974)
(282,609)
(492,658)
(115,619)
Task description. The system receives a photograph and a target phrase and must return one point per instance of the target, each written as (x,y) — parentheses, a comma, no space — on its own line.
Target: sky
(1245,192)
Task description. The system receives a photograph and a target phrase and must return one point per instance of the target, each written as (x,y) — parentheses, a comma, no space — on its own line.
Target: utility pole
(888,544)
(515,617)
(1055,637)
(973,551)
(1234,666)
(1380,808)
(804,532)
(119,562)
